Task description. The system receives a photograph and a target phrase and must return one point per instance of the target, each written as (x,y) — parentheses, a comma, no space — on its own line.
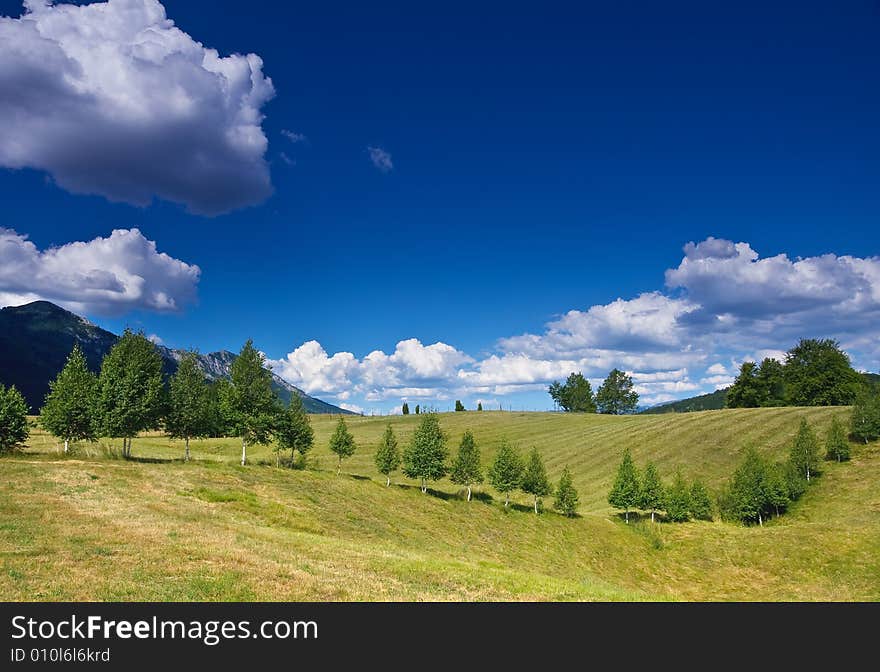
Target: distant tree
(250,404)
(748,488)
(189,400)
(651,492)
(425,456)
(130,389)
(534,478)
(818,373)
(387,455)
(405,408)
(625,492)
(69,410)
(417,409)
(566,495)
(701,503)
(14,429)
(746,391)
(770,378)
(677,500)
(466,469)
(775,487)
(575,395)
(342,443)
(505,474)
(459,406)
(865,419)
(293,429)
(616,395)
(836,443)
(479,405)
(805,451)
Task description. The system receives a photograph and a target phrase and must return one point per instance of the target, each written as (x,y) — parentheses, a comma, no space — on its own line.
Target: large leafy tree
(616,395)
(189,403)
(626,491)
(865,419)
(130,389)
(836,443)
(805,451)
(249,402)
(818,373)
(69,410)
(466,469)
(771,381)
(748,488)
(342,443)
(387,455)
(293,429)
(651,492)
(566,495)
(505,474)
(575,395)
(425,456)
(14,428)
(746,391)
(534,478)
(677,499)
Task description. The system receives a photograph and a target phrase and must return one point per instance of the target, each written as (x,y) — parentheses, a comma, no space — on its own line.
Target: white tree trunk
(652,516)
(387,480)
(626,515)
(506,498)
(243,452)
(65,446)
(469,493)
(536,503)
(186,454)
(760,520)
(808,474)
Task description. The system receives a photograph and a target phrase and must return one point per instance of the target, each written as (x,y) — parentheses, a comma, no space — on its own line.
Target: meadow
(91,526)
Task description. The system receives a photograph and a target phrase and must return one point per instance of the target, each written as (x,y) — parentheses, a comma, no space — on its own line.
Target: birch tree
(69,410)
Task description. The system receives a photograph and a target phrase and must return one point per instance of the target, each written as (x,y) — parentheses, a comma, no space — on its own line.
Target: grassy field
(93,527)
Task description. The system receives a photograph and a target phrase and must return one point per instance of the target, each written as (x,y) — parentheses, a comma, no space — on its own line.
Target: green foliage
(701,503)
(466,469)
(748,489)
(417,409)
(14,429)
(616,395)
(387,455)
(342,443)
(865,419)
(677,500)
(69,410)
(776,492)
(505,474)
(805,451)
(459,407)
(130,389)
(534,477)
(626,492)
(651,494)
(293,429)
(566,495)
(818,373)
(189,402)
(836,443)
(425,456)
(404,409)
(746,391)
(479,405)
(795,483)
(771,381)
(575,395)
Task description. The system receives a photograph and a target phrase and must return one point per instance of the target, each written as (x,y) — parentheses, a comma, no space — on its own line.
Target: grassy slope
(90,527)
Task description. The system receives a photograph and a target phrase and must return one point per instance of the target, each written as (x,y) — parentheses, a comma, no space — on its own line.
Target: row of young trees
(615,396)
(459,407)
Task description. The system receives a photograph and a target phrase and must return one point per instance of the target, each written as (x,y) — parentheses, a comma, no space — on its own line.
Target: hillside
(156,529)
(704,402)
(35,340)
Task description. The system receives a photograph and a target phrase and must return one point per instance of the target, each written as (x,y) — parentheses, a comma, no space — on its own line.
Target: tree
(417,409)
(479,405)
(534,478)
(14,428)
(425,456)
(818,373)
(575,395)
(865,419)
(626,491)
(776,488)
(293,429)
(404,409)
(566,495)
(795,483)
(748,488)
(189,402)
(459,407)
(130,389)
(249,402)
(466,469)
(701,503)
(651,492)
(616,395)
(746,390)
(677,500)
(387,455)
(805,451)
(836,443)
(342,443)
(69,409)
(770,378)
(505,474)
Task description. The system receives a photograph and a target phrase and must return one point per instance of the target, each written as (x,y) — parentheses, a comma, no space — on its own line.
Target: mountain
(35,340)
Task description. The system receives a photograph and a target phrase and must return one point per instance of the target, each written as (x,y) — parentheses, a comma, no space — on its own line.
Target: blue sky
(538,160)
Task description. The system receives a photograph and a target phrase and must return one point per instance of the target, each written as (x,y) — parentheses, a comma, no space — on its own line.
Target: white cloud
(717,369)
(112,99)
(155,338)
(105,276)
(380,158)
(294,137)
(354,408)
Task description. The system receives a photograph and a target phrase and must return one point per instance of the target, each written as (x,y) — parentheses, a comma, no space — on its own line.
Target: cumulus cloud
(104,276)
(380,158)
(113,99)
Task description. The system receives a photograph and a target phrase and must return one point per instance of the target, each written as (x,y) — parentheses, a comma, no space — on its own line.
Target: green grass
(91,526)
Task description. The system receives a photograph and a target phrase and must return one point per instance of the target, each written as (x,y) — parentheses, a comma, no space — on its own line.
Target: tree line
(615,396)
